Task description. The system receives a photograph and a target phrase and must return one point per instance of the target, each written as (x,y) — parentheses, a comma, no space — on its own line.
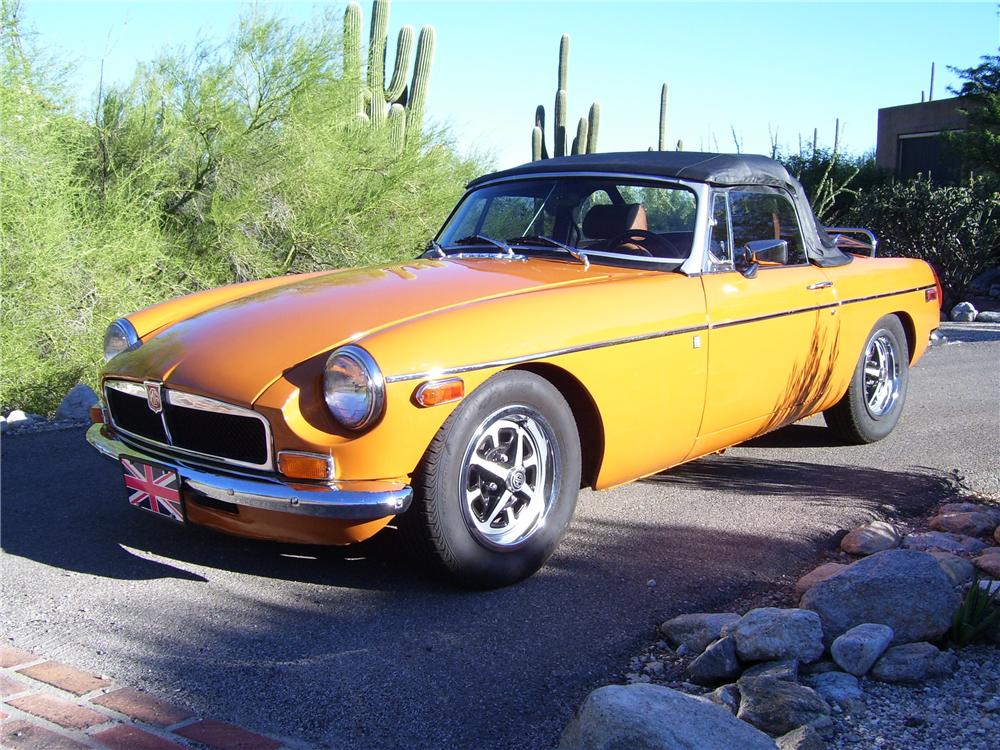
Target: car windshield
(606,219)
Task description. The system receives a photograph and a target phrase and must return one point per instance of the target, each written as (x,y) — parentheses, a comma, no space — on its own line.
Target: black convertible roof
(724,170)
(716,169)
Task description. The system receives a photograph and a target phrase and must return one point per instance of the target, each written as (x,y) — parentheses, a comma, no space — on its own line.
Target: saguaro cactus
(585,141)
(398,105)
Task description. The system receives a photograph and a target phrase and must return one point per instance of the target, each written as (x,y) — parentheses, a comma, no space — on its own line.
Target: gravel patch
(44,425)
(960,711)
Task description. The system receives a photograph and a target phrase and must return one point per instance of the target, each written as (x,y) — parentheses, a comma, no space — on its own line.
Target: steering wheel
(644,237)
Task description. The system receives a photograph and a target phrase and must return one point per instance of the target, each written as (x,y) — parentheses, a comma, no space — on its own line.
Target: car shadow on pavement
(70,512)
(903,493)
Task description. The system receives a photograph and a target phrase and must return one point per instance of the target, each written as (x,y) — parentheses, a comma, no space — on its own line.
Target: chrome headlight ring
(353,387)
(120,337)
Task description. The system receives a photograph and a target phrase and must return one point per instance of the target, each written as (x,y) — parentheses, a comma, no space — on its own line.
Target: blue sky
(790,66)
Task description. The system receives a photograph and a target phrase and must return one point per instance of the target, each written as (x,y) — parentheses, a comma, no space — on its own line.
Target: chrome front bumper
(355,501)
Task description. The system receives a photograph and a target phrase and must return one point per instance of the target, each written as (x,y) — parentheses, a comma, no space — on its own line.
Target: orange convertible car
(580,321)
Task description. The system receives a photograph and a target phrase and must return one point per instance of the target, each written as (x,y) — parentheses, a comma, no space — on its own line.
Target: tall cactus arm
(396,126)
(421,80)
(594,124)
(540,126)
(559,133)
(352,55)
(563,83)
(663,119)
(537,140)
(377,45)
(580,142)
(404,44)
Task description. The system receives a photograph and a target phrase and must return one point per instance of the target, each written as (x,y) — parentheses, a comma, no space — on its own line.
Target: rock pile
(784,672)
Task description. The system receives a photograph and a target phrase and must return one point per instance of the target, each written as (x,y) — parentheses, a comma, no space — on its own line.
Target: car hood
(236,350)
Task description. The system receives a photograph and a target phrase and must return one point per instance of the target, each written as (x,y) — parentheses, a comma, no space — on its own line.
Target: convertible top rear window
(609,219)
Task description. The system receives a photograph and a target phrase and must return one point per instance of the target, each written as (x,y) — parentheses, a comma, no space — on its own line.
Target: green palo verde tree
(397,106)
(979,143)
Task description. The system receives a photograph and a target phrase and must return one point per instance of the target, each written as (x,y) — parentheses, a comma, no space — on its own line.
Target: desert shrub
(212,165)
(956,229)
(832,179)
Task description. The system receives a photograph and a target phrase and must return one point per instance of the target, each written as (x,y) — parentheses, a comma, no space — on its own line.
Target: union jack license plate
(154,488)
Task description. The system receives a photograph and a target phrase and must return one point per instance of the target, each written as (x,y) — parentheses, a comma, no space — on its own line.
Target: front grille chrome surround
(182,400)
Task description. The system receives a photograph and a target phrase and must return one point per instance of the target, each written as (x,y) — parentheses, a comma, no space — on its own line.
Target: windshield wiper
(434,247)
(482,239)
(535,239)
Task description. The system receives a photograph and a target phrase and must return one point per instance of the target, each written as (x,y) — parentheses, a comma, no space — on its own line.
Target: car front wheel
(497,487)
(874,400)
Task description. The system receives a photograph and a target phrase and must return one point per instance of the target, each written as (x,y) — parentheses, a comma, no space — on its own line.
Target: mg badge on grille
(154,397)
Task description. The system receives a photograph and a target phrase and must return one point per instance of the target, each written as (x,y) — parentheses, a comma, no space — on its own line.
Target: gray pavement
(359,648)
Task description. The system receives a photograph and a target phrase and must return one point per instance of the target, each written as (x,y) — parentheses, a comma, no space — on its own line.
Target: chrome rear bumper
(355,501)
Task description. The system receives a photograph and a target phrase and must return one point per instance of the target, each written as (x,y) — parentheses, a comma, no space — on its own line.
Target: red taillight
(935,294)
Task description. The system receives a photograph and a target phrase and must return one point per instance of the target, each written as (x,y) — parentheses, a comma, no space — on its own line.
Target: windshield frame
(690,266)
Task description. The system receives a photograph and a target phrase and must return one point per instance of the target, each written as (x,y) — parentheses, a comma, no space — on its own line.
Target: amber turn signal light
(297,465)
(435,392)
(96,414)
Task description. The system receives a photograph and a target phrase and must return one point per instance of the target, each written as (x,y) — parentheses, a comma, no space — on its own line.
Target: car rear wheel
(497,487)
(874,400)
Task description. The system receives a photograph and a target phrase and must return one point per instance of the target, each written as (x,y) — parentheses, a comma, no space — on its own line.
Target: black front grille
(235,437)
(231,436)
(132,414)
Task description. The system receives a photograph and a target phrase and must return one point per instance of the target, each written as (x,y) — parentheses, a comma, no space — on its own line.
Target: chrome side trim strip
(543,355)
(771,316)
(641,337)
(353,500)
(199,403)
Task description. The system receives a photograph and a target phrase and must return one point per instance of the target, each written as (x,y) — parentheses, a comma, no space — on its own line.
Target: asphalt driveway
(358,648)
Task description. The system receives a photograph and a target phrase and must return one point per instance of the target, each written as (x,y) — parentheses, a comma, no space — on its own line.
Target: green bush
(955,229)
(212,166)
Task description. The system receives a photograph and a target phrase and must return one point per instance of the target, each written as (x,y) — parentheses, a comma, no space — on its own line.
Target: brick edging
(51,704)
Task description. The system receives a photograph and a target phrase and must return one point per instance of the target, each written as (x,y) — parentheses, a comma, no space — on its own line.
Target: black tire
(473,540)
(871,407)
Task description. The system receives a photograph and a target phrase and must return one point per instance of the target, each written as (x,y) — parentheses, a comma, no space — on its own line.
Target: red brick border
(48,705)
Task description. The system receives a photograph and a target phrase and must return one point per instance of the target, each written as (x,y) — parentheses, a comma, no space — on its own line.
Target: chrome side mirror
(769,251)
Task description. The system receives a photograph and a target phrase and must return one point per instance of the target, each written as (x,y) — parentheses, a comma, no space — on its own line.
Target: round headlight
(353,387)
(120,337)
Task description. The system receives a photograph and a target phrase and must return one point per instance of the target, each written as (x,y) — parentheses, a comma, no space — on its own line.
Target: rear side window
(766,215)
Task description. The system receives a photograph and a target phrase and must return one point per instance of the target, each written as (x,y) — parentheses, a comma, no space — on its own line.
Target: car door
(771,335)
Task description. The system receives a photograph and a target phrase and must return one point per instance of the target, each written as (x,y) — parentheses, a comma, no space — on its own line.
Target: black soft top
(722,170)
(715,169)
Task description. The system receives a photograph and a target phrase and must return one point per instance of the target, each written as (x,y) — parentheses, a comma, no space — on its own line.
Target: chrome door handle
(819,285)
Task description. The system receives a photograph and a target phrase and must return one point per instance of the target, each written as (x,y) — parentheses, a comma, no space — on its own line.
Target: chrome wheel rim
(881,375)
(508,475)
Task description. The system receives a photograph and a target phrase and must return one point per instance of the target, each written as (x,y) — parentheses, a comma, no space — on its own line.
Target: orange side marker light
(435,392)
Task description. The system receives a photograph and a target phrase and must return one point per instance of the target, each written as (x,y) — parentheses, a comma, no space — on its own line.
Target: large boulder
(717,664)
(970,523)
(903,589)
(871,538)
(770,633)
(913,663)
(697,630)
(988,316)
(779,706)
(857,649)
(652,717)
(77,403)
(816,575)
(957,544)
